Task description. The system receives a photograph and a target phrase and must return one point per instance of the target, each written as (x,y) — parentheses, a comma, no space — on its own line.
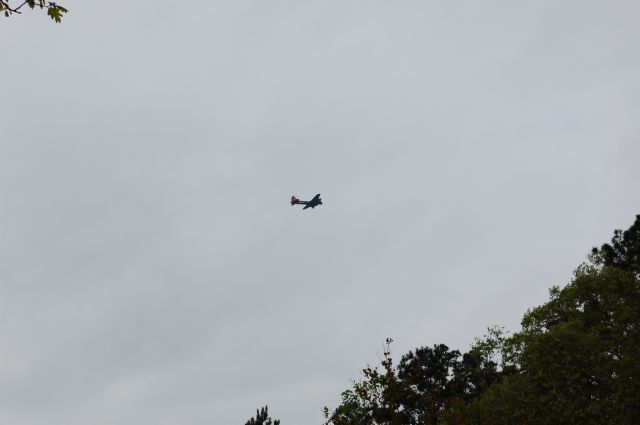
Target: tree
(55,11)
(438,383)
(575,361)
(431,385)
(262,418)
(624,250)
(374,400)
(577,356)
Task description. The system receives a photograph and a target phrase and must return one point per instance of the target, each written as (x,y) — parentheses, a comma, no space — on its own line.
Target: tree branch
(7,7)
(54,10)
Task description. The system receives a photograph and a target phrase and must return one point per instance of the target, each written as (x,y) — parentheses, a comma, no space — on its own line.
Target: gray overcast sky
(152,271)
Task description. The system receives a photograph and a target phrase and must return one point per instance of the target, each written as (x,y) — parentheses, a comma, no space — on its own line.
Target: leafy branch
(55,11)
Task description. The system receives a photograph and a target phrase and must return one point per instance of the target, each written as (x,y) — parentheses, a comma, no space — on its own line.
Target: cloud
(152,269)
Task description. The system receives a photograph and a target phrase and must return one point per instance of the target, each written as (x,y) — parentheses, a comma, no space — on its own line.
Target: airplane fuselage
(307,204)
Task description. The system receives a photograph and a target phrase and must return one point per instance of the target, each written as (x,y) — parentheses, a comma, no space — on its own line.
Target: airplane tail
(294,200)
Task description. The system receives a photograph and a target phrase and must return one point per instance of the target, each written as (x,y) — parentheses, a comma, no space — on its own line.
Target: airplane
(307,204)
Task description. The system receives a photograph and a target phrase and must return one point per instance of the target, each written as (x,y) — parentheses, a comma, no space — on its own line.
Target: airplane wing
(307,204)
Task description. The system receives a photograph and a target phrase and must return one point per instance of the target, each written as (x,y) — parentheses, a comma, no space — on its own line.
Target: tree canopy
(576,360)
(262,418)
(577,356)
(624,250)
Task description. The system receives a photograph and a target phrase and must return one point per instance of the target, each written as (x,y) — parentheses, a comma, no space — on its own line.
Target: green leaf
(56,12)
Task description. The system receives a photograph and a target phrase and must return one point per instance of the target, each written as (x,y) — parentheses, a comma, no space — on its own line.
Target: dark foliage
(262,418)
(575,361)
(624,250)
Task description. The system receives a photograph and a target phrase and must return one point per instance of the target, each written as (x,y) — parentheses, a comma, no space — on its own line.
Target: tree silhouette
(624,250)
(575,361)
(262,418)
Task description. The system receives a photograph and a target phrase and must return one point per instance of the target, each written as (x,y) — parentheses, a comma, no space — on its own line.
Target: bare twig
(10,9)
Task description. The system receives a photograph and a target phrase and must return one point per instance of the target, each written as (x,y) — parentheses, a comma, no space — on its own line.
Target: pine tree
(262,418)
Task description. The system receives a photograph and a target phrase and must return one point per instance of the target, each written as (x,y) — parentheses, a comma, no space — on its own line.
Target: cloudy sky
(152,271)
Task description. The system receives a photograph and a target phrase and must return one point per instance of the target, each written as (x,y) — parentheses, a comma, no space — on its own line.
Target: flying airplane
(307,204)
